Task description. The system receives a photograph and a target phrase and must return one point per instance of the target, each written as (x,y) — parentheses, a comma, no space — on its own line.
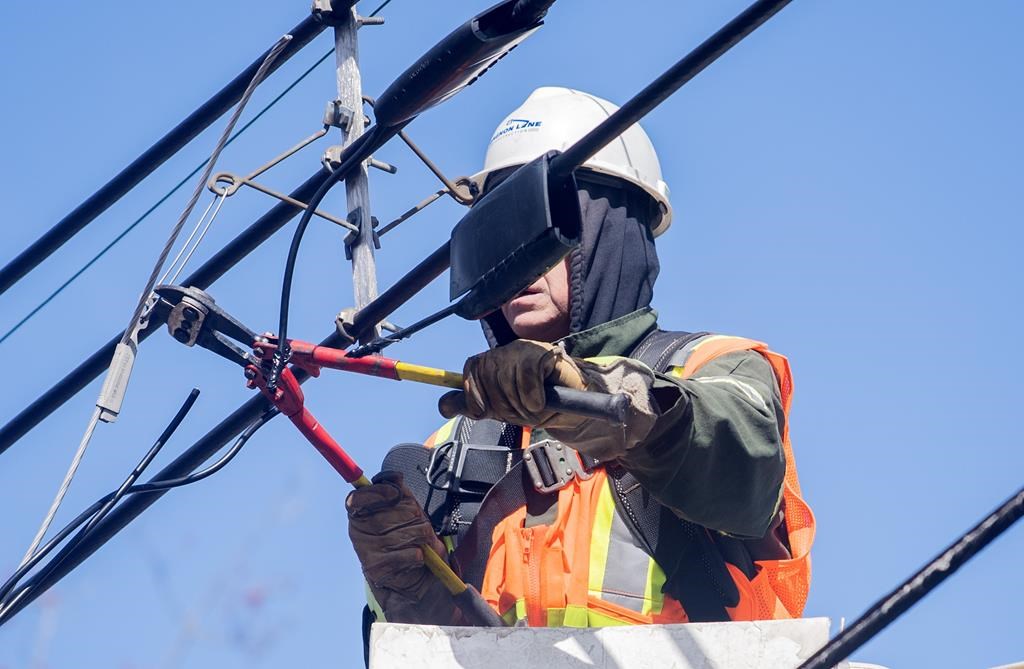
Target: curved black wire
(355,157)
(108,501)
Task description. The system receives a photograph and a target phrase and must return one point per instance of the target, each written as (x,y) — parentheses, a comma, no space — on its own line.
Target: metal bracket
(355,219)
(553,465)
(226,183)
(338,115)
(332,12)
(332,159)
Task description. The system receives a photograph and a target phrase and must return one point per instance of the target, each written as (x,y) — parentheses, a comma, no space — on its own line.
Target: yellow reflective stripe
(654,598)
(371,601)
(571,616)
(510,616)
(445,432)
(601,620)
(599,541)
(520,608)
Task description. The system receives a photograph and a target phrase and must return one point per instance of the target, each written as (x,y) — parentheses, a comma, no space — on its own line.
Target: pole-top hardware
(343,323)
(332,12)
(370,20)
(381,165)
(338,115)
(352,238)
(332,159)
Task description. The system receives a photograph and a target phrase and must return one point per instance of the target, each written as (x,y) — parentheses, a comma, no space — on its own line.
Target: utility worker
(690,512)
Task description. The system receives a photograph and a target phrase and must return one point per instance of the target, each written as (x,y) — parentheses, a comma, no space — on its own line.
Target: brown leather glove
(389,532)
(507,384)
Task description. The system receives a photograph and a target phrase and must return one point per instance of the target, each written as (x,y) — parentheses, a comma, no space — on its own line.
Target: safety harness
(478,475)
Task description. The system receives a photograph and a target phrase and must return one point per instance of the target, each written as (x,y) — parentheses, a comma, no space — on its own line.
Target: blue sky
(847,188)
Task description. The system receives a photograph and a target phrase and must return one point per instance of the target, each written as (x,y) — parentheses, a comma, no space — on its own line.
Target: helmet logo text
(515,125)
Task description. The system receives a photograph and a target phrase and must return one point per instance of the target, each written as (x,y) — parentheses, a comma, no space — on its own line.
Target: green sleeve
(715,453)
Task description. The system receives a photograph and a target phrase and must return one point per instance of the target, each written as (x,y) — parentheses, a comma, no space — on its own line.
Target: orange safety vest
(585,569)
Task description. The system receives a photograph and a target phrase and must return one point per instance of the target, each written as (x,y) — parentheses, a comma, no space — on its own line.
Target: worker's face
(541,312)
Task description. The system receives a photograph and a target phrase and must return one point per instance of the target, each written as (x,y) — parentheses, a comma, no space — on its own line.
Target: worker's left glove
(389,532)
(507,384)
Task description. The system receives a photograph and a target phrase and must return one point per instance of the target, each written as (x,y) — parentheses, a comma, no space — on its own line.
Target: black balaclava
(612,272)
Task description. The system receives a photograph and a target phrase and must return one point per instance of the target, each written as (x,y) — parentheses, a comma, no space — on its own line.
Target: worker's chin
(537,325)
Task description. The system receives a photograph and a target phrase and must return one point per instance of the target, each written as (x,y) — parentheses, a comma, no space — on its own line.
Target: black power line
(203,277)
(668,83)
(151,159)
(89,540)
(911,591)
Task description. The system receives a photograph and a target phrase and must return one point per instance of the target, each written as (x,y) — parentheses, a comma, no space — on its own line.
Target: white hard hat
(554,118)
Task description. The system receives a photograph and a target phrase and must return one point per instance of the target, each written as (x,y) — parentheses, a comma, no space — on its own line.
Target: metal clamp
(355,220)
(331,12)
(553,465)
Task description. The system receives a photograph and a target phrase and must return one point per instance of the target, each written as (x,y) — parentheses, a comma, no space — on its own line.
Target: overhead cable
(911,591)
(112,393)
(151,159)
(49,298)
(203,277)
(95,514)
(102,252)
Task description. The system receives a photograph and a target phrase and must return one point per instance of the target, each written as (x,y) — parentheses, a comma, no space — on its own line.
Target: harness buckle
(449,468)
(553,465)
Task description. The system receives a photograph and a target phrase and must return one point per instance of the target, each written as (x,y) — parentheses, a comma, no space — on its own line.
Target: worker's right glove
(389,532)
(507,384)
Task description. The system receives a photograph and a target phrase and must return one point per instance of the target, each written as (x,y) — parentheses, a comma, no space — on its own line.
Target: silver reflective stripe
(626,569)
(745,389)
(680,357)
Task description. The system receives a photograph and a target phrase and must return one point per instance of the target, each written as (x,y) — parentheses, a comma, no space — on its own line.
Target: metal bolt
(538,484)
(250,374)
(527,456)
(558,447)
(568,472)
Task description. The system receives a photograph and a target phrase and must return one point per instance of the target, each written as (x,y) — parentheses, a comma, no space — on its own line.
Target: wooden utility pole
(350,101)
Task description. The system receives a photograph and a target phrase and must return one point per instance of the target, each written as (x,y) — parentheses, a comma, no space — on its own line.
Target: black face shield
(612,272)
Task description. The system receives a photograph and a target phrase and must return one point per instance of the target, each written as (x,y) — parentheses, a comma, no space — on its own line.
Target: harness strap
(695,571)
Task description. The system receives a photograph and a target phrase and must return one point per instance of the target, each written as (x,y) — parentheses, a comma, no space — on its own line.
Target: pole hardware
(332,159)
(382,166)
(332,13)
(226,183)
(338,115)
(462,190)
(452,64)
(355,218)
(370,21)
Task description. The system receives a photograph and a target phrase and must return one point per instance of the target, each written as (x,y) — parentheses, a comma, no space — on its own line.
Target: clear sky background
(847,187)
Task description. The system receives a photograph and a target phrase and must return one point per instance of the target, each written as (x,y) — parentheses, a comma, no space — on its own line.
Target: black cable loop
(92,512)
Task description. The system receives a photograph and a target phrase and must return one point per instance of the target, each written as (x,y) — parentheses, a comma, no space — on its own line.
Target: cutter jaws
(195,318)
